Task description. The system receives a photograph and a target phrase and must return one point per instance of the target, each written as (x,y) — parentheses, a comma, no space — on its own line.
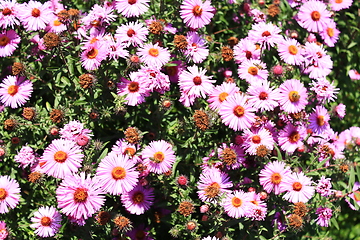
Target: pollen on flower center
(4,40)
(45,221)
(294,96)
(320,120)
(276,178)
(159,157)
(212,190)
(239,111)
(57,23)
(133,87)
(60,156)
(6,11)
(330,32)
(80,195)
(130,151)
(222,96)
(35,12)
(236,202)
(256,139)
(154,52)
(197,80)
(253,70)
(92,53)
(197,11)
(297,186)
(293,50)
(3,194)
(13,89)
(294,137)
(118,173)
(263,96)
(266,34)
(130,32)
(315,16)
(138,197)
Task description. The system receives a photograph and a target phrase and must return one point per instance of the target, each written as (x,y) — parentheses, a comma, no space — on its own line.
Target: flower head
(9,41)
(15,91)
(298,188)
(313,16)
(138,200)
(237,204)
(46,221)
(158,156)
(132,8)
(9,193)
(196,13)
(153,55)
(273,175)
(292,96)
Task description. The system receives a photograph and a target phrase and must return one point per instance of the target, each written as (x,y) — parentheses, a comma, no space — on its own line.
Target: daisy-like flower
(256,138)
(74,129)
(313,16)
(4,232)
(354,75)
(262,96)
(91,57)
(138,200)
(324,186)
(267,34)
(15,91)
(61,158)
(79,196)
(231,156)
(135,91)
(55,25)
(298,187)
(273,175)
(196,13)
(153,55)
(117,49)
(220,93)
(9,193)
(324,216)
(354,195)
(35,15)
(9,41)
(236,112)
(196,48)
(339,110)
(122,147)
(237,204)
(330,34)
(292,96)
(158,156)
(46,221)
(253,71)
(116,173)
(246,49)
(99,16)
(26,157)
(153,79)
(132,33)
(325,90)
(318,63)
(195,82)
(337,5)
(290,138)
(290,51)
(132,8)
(8,15)
(319,120)
(213,184)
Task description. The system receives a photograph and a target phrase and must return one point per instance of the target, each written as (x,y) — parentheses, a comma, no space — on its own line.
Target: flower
(237,204)
(330,34)
(313,16)
(46,221)
(337,5)
(298,188)
(262,96)
(319,120)
(132,8)
(35,15)
(92,56)
(196,47)
(324,186)
(325,90)
(273,175)
(9,193)
(267,34)
(253,71)
(138,200)
(354,75)
(79,196)
(339,110)
(236,112)
(324,216)
(232,156)
(61,158)
(354,195)
(256,138)
(9,41)
(290,51)
(318,63)
(246,49)
(153,55)
(15,91)
(195,13)
(292,96)
(4,232)
(74,129)
(134,91)
(219,94)
(132,33)
(290,138)
(116,173)
(8,15)
(26,157)
(158,156)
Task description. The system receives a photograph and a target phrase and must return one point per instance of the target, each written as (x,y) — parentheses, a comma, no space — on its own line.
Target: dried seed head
(87,80)
(29,113)
(180,41)
(201,120)
(300,209)
(156,27)
(10,124)
(103,217)
(133,135)
(35,177)
(56,115)
(73,13)
(262,151)
(17,68)
(186,208)
(227,54)
(295,221)
(51,40)
(232,41)
(122,223)
(273,10)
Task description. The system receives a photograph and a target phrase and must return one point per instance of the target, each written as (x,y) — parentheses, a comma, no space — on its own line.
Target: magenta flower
(9,41)
(232,156)
(290,138)
(132,8)
(298,188)
(253,71)
(46,221)
(153,55)
(237,204)
(79,196)
(325,90)
(61,158)
(74,129)
(35,15)
(330,34)
(262,96)
(324,186)
(319,120)
(313,16)
(219,94)
(4,232)
(324,216)
(9,193)
(256,138)
(292,96)
(158,156)
(245,50)
(132,33)
(9,14)
(26,157)
(92,56)
(290,51)
(138,200)
(116,174)
(15,91)
(318,63)
(196,13)
(134,91)
(273,175)
(196,49)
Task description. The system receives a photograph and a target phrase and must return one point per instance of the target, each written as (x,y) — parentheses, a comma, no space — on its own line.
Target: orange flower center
(263,96)
(256,139)
(6,11)
(239,111)
(35,12)
(13,89)
(212,190)
(222,96)
(138,197)
(236,202)
(80,195)
(60,156)
(154,52)
(197,11)
(297,186)
(133,87)
(3,194)
(315,16)
(130,32)
(45,221)
(320,121)
(293,50)
(276,178)
(4,40)
(330,32)
(294,96)
(294,137)
(118,173)
(92,53)
(129,151)
(57,23)
(197,80)
(338,1)
(266,34)
(253,70)
(158,157)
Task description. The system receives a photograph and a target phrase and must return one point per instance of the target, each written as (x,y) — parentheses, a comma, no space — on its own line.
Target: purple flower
(15,91)
(324,216)
(324,186)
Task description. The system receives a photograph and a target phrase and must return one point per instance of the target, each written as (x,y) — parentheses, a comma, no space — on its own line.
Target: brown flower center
(293,50)
(35,12)
(80,195)
(294,137)
(92,53)
(256,139)
(197,11)
(266,34)
(276,178)
(294,96)
(130,32)
(133,87)
(4,40)
(154,52)
(131,2)
(248,54)
(197,80)
(315,16)
(3,194)
(239,111)
(118,173)
(60,156)
(158,157)
(6,11)
(13,89)
(297,186)
(320,121)
(236,202)
(138,198)
(212,190)
(253,71)
(263,96)
(45,221)
(222,96)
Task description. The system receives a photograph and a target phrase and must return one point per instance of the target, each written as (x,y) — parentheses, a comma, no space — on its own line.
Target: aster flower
(298,187)
(117,174)
(290,51)
(92,56)
(55,25)
(99,16)
(354,75)
(35,15)
(254,139)
(210,238)
(132,33)
(337,5)
(15,91)
(231,156)
(324,186)
(3,230)
(116,49)
(292,96)
(339,110)
(61,158)
(330,34)
(196,13)
(262,96)
(246,49)
(153,55)
(273,175)
(74,129)
(46,221)
(325,90)
(236,112)
(26,157)
(135,91)
(132,8)
(354,195)
(158,156)
(9,193)
(237,204)
(324,216)
(318,63)
(122,147)
(290,138)
(138,200)
(219,94)
(253,71)
(313,16)
(8,15)
(267,34)
(319,120)
(196,49)
(212,185)
(152,79)
(9,41)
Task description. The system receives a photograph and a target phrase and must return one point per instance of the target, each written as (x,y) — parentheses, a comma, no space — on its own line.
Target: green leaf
(334,222)
(351,178)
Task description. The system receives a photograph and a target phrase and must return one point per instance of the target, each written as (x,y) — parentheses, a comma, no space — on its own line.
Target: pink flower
(132,8)
(74,129)
(324,216)
(290,51)
(153,55)
(313,16)
(232,156)
(324,186)
(4,232)
(35,15)
(195,13)
(292,96)
(253,71)
(135,91)
(256,138)
(220,93)
(262,96)
(196,49)
(298,188)
(46,221)
(273,175)
(26,157)
(267,34)
(9,41)
(318,63)
(237,204)
(354,195)
(15,91)
(9,14)
(158,156)
(9,193)
(138,200)
(339,110)
(354,75)
(325,90)
(246,49)
(337,5)
(319,120)
(330,34)
(132,33)
(92,56)
(290,138)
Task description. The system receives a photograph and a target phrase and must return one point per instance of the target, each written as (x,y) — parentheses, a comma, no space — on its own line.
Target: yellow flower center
(60,156)
(118,173)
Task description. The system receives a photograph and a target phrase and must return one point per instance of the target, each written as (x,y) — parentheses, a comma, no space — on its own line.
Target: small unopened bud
(278,70)
(182,180)
(263,195)
(204,208)
(54,131)
(251,189)
(357,141)
(82,140)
